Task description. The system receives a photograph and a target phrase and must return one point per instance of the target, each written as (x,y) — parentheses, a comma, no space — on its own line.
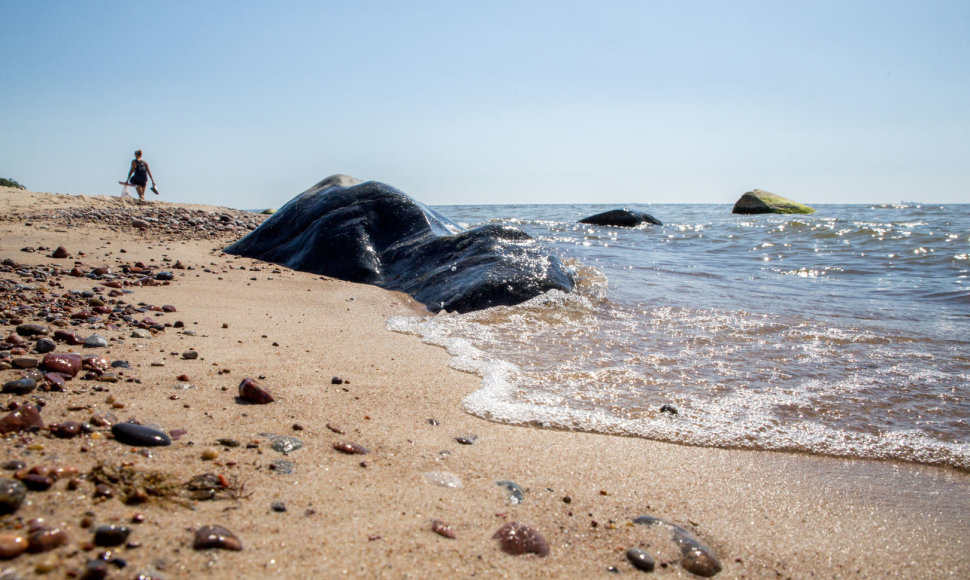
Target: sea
(845,332)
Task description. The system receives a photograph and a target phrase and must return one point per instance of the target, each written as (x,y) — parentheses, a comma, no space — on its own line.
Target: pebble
(278,506)
(641,559)
(468,439)
(19,386)
(95,341)
(45,539)
(515,492)
(251,392)
(12,545)
(23,418)
(45,345)
(66,363)
(695,557)
(24,362)
(139,435)
(210,454)
(141,333)
(517,538)
(443,528)
(37,482)
(32,329)
(284,444)
(335,429)
(120,364)
(65,430)
(444,479)
(336,381)
(350,448)
(216,537)
(111,535)
(190,355)
(12,494)
(281,466)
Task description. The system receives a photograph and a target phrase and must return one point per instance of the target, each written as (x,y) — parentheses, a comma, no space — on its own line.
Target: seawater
(845,332)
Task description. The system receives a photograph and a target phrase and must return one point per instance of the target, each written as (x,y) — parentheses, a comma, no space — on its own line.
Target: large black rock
(627,218)
(373,233)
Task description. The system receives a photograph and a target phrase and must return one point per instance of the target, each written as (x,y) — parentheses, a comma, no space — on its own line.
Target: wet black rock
(517,538)
(373,233)
(626,218)
(139,435)
(45,345)
(467,439)
(19,386)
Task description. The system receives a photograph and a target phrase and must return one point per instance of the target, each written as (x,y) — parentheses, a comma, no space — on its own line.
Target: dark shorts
(140,178)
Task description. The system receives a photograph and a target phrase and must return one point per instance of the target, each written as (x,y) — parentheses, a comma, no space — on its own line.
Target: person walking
(139,174)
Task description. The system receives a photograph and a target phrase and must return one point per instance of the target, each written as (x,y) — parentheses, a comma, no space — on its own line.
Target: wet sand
(765,515)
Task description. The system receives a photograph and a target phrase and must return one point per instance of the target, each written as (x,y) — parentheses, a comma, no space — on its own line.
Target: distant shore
(320,347)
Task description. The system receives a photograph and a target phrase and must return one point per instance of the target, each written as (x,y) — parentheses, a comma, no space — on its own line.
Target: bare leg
(141,192)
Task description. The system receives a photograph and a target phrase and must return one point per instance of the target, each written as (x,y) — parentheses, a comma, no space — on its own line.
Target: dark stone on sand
(759,201)
(281,466)
(66,363)
(164,276)
(336,381)
(467,439)
(19,386)
(12,494)
(373,233)
(45,345)
(139,435)
(190,355)
(626,218)
(216,537)
(23,418)
(251,392)
(111,535)
(696,557)
(669,409)
(37,482)
(68,336)
(350,448)
(32,329)
(46,539)
(278,506)
(641,559)
(139,223)
(95,341)
(517,538)
(60,252)
(120,364)
(65,430)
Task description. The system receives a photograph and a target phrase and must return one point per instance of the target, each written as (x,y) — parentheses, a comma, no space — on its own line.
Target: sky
(246,104)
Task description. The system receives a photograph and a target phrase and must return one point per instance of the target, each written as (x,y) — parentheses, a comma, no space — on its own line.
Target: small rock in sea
(190,355)
(350,448)
(216,537)
(139,435)
(443,529)
(281,466)
(251,392)
(12,545)
(515,492)
(19,386)
(444,479)
(517,538)
(641,559)
(45,345)
(278,506)
(23,418)
(12,494)
(669,409)
(95,341)
(111,535)
(466,439)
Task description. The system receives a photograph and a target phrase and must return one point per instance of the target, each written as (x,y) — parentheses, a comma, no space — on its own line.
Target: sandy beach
(337,376)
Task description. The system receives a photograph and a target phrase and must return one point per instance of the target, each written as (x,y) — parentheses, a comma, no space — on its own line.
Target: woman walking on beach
(139,175)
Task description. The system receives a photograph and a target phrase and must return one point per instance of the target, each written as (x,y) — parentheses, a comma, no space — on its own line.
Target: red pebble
(251,392)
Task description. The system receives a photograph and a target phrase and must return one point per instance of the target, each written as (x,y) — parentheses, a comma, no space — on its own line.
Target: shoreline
(763,513)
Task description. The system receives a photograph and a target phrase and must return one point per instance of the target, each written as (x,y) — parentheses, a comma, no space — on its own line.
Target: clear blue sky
(247,104)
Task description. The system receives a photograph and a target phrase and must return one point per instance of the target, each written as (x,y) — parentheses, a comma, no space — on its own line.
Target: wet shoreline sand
(764,514)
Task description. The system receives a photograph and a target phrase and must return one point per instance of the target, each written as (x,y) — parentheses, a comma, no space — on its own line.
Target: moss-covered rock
(758,201)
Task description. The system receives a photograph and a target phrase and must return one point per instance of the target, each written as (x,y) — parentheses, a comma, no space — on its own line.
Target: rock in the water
(695,556)
(373,233)
(139,435)
(758,201)
(12,494)
(626,218)
(209,537)
(251,392)
(517,538)
(641,559)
